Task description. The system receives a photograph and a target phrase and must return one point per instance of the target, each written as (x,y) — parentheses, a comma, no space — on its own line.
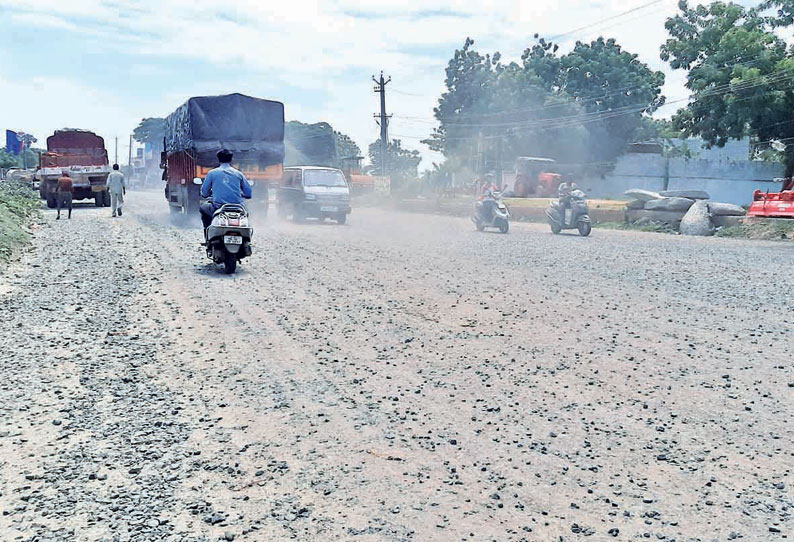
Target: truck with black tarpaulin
(252,128)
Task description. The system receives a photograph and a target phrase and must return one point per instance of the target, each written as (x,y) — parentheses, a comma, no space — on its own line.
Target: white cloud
(312,44)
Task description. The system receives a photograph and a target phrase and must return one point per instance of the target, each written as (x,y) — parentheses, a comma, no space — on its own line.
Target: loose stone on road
(402,377)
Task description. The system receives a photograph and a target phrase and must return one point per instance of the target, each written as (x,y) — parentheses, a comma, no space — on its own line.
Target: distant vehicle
(83,155)
(533,178)
(229,236)
(490,212)
(252,128)
(576,215)
(313,192)
(774,204)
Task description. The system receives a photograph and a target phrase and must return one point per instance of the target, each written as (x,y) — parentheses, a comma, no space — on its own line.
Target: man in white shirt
(117,187)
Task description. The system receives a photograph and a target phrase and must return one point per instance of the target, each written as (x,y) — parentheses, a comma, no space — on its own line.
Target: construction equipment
(83,155)
(774,204)
(533,177)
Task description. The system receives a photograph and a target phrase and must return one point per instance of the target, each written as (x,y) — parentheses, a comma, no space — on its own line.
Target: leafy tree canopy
(150,130)
(346,146)
(401,164)
(585,105)
(739,71)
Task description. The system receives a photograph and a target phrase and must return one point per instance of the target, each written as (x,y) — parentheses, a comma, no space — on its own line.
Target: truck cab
(313,192)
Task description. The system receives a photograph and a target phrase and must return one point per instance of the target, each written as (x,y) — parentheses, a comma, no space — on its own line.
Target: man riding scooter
(487,201)
(222,185)
(489,211)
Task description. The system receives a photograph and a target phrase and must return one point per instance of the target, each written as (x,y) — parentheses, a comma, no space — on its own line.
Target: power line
(612,17)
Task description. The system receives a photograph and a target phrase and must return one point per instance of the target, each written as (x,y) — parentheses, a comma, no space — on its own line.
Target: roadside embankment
(18,205)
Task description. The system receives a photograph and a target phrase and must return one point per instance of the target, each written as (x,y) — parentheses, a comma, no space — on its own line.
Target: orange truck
(252,128)
(83,155)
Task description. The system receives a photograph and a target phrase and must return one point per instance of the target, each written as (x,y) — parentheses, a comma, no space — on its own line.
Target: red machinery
(533,178)
(774,204)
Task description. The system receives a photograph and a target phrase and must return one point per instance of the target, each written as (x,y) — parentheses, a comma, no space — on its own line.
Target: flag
(13,143)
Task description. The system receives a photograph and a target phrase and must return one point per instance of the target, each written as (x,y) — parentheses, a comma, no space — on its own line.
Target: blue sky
(104,65)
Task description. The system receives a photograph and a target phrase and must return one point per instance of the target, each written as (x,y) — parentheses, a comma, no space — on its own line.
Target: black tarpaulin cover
(252,128)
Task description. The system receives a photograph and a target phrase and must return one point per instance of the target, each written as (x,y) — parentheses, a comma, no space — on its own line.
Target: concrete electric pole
(380,88)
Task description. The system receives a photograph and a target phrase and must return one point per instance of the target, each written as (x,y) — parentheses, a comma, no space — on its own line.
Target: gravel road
(400,378)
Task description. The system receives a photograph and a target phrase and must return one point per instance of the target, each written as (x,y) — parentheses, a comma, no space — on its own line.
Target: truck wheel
(99,201)
(281,210)
(106,199)
(230,263)
(341,218)
(51,202)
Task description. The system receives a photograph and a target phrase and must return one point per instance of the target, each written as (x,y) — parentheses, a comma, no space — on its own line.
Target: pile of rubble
(689,211)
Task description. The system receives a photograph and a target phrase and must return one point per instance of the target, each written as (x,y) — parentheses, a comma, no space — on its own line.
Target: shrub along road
(399,378)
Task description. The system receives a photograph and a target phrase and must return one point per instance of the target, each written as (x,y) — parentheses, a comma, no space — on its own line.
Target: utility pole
(116,161)
(380,88)
(129,160)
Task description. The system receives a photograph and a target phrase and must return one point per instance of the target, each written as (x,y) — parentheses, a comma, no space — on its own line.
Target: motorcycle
(576,215)
(229,236)
(491,212)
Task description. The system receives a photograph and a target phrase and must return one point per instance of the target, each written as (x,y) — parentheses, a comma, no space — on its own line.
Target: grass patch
(18,204)
(652,227)
(764,230)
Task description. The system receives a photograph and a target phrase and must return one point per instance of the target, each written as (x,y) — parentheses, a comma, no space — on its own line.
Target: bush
(18,205)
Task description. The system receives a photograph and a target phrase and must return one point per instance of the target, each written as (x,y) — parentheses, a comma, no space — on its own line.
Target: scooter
(229,236)
(576,215)
(491,212)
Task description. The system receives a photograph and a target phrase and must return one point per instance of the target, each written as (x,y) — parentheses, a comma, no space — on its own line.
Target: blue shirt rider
(224,184)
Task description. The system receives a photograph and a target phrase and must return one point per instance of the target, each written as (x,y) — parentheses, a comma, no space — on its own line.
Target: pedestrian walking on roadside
(117,186)
(63,194)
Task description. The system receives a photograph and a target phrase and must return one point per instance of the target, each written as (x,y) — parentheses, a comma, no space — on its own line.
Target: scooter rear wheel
(230,264)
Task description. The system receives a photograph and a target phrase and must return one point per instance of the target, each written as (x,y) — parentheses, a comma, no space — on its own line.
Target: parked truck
(83,155)
(252,128)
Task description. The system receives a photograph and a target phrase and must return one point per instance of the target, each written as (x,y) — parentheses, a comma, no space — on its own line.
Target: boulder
(726,209)
(635,204)
(669,204)
(697,220)
(691,194)
(642,195)
(664,217)
(726,221)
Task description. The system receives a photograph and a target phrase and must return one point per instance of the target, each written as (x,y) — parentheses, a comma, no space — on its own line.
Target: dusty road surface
(401,378)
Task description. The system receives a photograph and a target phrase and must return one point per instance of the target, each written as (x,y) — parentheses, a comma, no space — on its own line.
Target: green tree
(8,160)
(612,86)
(739,72)
(401,164)
(345,145)
(586,105)
(152,131)
(310,144)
